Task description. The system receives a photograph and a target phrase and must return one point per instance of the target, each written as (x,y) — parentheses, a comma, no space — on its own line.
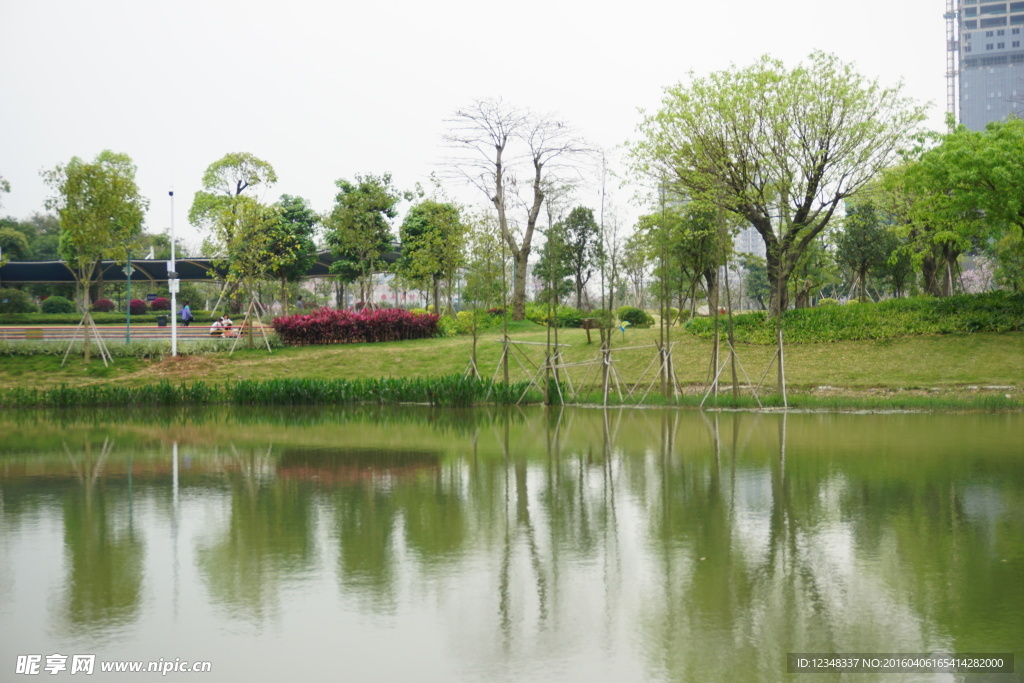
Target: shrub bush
(447,326)
(484,321)
(103,306)
(635,316)
(565,316)
(891,319)
(828,302)
(16,301)
(161,304)
(332,326)
(57,304)
(137,307)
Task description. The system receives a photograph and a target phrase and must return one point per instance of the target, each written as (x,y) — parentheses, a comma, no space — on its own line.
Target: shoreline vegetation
(943,372)
(464,392)
(959,353)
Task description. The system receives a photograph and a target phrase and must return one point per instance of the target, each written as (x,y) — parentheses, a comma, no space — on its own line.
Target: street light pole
(128,270)
(172,285)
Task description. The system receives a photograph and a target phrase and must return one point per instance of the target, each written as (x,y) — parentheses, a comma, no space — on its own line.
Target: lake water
(523,545)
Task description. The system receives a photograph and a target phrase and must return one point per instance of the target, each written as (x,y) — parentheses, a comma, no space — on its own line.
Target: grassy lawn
(944,362)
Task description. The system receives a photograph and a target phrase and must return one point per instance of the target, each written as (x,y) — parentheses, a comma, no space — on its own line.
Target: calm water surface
(418,545)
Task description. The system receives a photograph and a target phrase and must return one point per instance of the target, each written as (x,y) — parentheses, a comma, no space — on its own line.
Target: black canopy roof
(188,269)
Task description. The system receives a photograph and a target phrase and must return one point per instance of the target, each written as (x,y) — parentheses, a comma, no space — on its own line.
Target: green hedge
(566,316)
(200,318)
(148,349)
(988,312)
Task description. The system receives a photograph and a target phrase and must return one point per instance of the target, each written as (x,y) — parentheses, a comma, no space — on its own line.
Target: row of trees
(785,150)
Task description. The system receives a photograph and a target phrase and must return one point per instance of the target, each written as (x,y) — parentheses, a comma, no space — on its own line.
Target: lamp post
(172,285)
(128,270)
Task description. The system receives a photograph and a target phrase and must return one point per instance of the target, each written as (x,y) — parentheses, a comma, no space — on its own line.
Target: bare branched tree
(513,155)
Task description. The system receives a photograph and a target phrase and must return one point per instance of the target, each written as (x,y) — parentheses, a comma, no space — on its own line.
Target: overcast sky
(325,90)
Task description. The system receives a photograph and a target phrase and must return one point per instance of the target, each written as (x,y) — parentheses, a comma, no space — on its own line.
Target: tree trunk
(779,267)
(803,297)
(779,298)
(950,255)
(711,287)
(520,259)
(929,275)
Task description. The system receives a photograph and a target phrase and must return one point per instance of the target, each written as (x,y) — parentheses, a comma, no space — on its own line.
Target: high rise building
(986,43)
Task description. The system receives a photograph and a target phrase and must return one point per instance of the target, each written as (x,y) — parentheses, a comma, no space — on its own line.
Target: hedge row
(988,312)
(16,301)
(23,319)
(333,326)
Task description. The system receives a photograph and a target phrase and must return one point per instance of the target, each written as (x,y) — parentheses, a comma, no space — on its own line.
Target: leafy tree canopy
(359,225)
(779,147)
(291,239)
(433,238)
(99,208)
(224,179)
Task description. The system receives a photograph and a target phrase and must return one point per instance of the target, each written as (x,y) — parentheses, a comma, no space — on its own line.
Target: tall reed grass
(451,392)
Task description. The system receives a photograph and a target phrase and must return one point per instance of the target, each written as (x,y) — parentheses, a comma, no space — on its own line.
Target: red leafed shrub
(161,303)
(331,326)
(103,305)
(137,307)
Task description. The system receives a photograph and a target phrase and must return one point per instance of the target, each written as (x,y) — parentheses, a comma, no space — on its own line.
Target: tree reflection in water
(693,546)
(104,556)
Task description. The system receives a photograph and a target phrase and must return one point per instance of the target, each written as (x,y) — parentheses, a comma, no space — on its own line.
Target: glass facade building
(991,61)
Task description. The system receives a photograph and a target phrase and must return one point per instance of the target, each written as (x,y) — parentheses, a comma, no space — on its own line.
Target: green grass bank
(912,366)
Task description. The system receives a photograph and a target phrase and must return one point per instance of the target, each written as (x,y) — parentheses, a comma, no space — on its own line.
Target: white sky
(325,90)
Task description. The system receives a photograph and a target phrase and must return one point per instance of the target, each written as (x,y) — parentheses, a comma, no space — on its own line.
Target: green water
(523,545)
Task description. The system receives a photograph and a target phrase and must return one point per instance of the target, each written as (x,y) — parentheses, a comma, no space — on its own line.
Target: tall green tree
(291,241)
(582,247)
(225,179)
(933,237)
(433,238)
(100,211)
(43,234)
(244,229)
(221,210)
(864,244)
(13,244)
(964,190)
(359,227)
(780,147)
(552,268)
(688,243)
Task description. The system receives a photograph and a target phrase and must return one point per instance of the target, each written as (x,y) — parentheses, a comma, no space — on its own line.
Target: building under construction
(985,62)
